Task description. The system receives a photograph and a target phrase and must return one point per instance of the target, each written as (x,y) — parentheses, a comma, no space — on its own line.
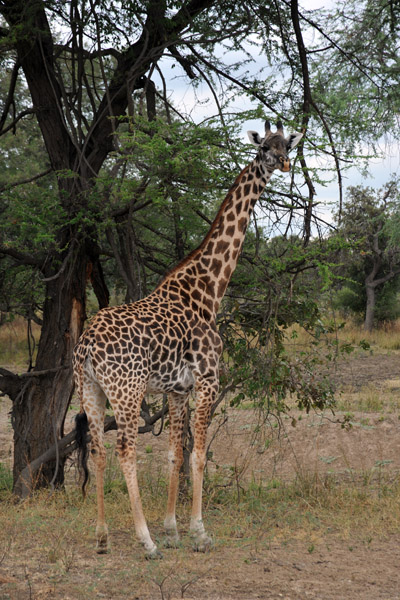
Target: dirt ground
(331,572)
(332,568)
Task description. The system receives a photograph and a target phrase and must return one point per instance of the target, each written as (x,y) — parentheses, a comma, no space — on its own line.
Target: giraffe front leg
(177,412)
(202,542)
(205,398)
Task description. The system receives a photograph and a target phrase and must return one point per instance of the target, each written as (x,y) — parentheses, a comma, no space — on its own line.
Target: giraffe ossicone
(168,343)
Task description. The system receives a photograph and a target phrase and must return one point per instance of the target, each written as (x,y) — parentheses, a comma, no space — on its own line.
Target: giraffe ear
(292,140)
(254,138)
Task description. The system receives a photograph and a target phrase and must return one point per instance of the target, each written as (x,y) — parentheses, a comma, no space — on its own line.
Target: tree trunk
(40,401)
(39,410)
(370,307)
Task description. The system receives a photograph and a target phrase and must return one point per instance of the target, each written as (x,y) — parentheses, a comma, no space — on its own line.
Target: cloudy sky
(200,105)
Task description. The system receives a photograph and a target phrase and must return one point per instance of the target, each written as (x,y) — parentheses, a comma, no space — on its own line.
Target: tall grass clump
(6,481)
(385,336)
(360,505)
(18,342)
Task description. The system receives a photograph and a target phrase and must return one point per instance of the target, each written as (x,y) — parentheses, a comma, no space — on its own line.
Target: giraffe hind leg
(127,410)
(94,404)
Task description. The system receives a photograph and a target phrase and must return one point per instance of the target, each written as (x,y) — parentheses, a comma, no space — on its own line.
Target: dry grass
(386,337)
(14,349)
(56,531)
(369,399)
(47,542)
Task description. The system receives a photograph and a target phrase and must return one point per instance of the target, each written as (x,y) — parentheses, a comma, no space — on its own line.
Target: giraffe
(168,343)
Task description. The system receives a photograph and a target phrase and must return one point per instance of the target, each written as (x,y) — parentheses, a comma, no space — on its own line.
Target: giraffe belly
(178,380)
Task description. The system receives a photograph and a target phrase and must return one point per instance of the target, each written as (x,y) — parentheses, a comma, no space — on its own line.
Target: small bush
(6,479)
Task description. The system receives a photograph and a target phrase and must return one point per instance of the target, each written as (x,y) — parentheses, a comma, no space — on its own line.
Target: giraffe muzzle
(285,164)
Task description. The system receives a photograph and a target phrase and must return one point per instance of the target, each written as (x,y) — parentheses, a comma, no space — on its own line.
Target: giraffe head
(275,147)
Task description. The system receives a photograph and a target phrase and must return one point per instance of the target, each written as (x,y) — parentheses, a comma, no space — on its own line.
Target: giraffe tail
(81,420)
(81,438)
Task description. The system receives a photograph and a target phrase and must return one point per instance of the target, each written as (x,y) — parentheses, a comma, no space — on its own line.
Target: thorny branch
(307,101)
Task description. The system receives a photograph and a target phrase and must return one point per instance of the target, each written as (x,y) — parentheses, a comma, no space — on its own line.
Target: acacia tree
(77,145)
(374,254)
(81,94)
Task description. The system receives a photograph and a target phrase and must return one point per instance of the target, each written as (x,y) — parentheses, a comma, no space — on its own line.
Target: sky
(379,171)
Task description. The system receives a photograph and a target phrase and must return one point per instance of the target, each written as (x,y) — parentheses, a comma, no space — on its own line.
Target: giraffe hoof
(102,547)
(203,543)
(102,540)
(154,554)
(172,541)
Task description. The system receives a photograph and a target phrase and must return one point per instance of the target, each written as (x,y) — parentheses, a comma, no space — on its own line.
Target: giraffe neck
(203,276)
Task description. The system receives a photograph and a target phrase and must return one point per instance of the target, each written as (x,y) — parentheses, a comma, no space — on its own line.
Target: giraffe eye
(266,147)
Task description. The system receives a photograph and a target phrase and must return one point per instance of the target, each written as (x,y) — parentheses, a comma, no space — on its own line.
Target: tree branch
(64,447)
(9,186)
(10,383)
(64,263)
(28,111)
(21,257)
(158,33)
(333,43)
(229,77)
(307,102)
(60,48)
(10,96)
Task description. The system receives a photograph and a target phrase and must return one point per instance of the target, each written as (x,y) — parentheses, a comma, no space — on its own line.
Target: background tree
(373,256)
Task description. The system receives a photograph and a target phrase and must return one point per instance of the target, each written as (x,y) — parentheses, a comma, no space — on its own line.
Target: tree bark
(39,410)
(370,307)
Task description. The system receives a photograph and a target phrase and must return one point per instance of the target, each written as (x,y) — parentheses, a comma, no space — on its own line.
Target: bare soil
(323,565)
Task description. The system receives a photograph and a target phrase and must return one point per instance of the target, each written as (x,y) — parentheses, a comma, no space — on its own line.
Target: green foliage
(358,77)
(165,184)
(6,480)
(372,256)
(32,216)
(352,297)
(259,363)
(21,291)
